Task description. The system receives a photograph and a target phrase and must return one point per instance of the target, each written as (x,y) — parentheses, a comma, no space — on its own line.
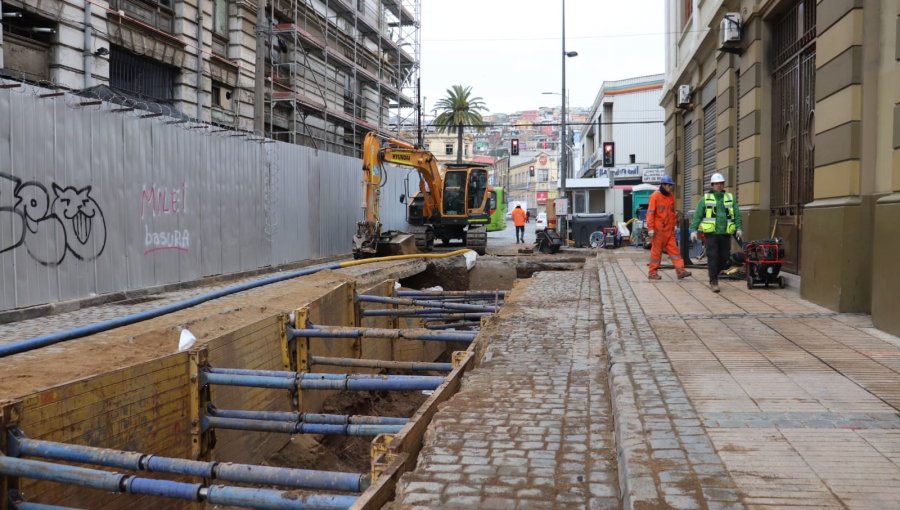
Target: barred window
(141,76)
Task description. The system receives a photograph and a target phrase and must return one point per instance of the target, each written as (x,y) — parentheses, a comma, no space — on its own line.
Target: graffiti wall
(98,199)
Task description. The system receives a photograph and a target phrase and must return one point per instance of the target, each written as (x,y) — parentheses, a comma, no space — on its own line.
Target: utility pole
(259,105)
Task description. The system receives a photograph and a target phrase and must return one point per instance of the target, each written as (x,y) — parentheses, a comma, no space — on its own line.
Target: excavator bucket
(397,243)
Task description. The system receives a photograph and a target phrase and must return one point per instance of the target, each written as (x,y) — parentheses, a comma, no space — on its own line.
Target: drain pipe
(285,427)
(416,366)
(30,344)
(409,334)
(124,484)
(293,416)
(365,298)
(88,53)
(19,445)
(394,312)
(351,382)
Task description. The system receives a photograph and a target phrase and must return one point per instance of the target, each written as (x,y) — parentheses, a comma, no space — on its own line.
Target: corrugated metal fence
(94,199)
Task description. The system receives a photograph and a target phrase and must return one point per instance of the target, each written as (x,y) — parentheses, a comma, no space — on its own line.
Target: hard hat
(667,180)
(716,177)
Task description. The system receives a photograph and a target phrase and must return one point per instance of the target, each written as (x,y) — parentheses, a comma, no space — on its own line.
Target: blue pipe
(274,374)
(453,293)
(215,494)
(163,488)
(93,478)
(285,427)
(374,363)
(451,325)
(291,416)
(37,342)
(25,505)
(252,381)
(365,298)
(242,473)
(415,312)
(371,384)
(275,500)
(380,333)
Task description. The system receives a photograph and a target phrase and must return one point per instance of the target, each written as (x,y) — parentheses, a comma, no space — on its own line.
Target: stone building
(332,70)
(796,103)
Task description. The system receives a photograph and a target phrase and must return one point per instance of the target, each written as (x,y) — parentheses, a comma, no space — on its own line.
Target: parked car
(541,221)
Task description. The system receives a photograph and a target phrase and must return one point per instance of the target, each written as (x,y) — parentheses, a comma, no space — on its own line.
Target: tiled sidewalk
(799,402)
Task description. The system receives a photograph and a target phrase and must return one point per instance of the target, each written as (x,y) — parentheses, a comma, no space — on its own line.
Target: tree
(457,111)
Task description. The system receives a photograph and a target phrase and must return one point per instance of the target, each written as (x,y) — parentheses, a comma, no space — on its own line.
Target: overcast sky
(509,51)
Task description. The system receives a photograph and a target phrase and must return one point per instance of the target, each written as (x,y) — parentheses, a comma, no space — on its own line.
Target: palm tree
(459,110)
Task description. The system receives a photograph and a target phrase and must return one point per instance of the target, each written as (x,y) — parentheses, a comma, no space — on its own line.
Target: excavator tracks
(424,237)
(476,239)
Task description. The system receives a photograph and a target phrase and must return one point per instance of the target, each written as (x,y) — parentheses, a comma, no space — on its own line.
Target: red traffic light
(609,154)
(514,147)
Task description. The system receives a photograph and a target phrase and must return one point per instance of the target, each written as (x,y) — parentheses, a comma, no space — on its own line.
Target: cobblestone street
(744,399)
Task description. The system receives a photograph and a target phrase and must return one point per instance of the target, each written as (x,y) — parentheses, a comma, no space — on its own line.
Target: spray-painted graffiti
(162,201)
(69,222)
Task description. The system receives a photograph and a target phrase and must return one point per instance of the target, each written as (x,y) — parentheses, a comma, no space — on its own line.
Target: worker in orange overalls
(661,221)
(518,217)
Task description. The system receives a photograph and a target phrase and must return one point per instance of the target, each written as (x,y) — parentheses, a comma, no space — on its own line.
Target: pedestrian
(661,220)
(519,217)
(527,216)
(718,217)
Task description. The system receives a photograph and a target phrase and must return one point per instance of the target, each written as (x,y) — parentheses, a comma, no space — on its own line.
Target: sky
(509,51)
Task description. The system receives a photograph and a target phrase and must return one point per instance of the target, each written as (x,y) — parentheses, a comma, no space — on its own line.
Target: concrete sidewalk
(743,399)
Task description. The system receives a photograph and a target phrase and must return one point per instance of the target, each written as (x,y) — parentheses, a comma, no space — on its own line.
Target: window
(543,174)
(141,76)
(27,49)
(156,13)
(448,149)
(632,158)
(687,10)
(220,17)
(222,96)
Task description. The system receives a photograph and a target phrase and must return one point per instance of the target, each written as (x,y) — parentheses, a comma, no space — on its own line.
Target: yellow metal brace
(201,443)
(301,348)
(458,358)
(381,454)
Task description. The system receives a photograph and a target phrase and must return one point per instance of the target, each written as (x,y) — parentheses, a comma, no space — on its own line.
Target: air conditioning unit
(684,96)
(730,29)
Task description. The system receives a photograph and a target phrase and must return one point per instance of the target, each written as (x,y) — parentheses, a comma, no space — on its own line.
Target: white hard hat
(716,177)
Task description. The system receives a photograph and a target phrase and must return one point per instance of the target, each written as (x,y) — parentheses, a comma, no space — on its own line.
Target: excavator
(450,205)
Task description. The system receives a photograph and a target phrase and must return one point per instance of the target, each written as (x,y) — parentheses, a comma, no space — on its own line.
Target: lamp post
(564,159)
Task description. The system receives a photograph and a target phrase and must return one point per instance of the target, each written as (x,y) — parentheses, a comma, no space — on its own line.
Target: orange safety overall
(661,219)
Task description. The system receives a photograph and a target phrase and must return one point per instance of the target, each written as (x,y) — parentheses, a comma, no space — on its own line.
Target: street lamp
(563,225)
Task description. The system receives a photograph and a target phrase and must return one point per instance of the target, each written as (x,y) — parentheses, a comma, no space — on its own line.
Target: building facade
(320,73)
(533,180)
(627,113)
(796,104)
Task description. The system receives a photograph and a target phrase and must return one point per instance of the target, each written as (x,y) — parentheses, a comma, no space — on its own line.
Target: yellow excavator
(451,204)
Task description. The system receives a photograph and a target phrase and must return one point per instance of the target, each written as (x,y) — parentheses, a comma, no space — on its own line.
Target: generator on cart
(762,262)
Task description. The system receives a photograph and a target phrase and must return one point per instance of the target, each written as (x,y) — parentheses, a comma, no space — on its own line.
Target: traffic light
(609,154)
(531,171)
(514,147)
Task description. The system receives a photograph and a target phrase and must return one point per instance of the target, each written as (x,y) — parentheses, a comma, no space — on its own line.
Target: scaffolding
(337,69)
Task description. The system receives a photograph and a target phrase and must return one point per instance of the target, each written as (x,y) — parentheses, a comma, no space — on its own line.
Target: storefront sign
(541,197)
(653,175)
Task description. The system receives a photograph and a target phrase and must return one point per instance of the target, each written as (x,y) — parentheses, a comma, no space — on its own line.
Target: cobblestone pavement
(531,427)
(798,403)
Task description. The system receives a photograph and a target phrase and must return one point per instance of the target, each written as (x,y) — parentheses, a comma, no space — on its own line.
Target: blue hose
(37,342)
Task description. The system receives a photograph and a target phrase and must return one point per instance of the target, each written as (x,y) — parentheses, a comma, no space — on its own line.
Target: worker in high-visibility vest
(661,220)
(718,217)
(519,217)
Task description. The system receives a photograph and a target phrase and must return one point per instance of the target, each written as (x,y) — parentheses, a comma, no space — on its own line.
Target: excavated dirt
(37,370)
(340,453)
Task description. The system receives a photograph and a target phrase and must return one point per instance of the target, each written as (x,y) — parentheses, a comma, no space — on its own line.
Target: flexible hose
(37,342)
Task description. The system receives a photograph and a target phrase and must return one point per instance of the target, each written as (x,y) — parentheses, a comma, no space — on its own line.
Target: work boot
(684,274)
(654,276)
(714,286)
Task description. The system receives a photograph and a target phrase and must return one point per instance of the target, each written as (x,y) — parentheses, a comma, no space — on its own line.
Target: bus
(498,209)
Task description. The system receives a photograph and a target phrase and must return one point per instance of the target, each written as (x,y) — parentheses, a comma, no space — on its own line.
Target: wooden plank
(93,383)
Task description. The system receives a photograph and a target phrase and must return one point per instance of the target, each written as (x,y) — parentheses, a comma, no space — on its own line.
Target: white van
(541,221)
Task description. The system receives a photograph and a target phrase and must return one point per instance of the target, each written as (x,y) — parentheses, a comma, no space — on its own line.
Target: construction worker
(661,222)
(718,217)
(518,217)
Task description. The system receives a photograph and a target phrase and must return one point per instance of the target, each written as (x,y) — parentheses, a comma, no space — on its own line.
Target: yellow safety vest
(708,223)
